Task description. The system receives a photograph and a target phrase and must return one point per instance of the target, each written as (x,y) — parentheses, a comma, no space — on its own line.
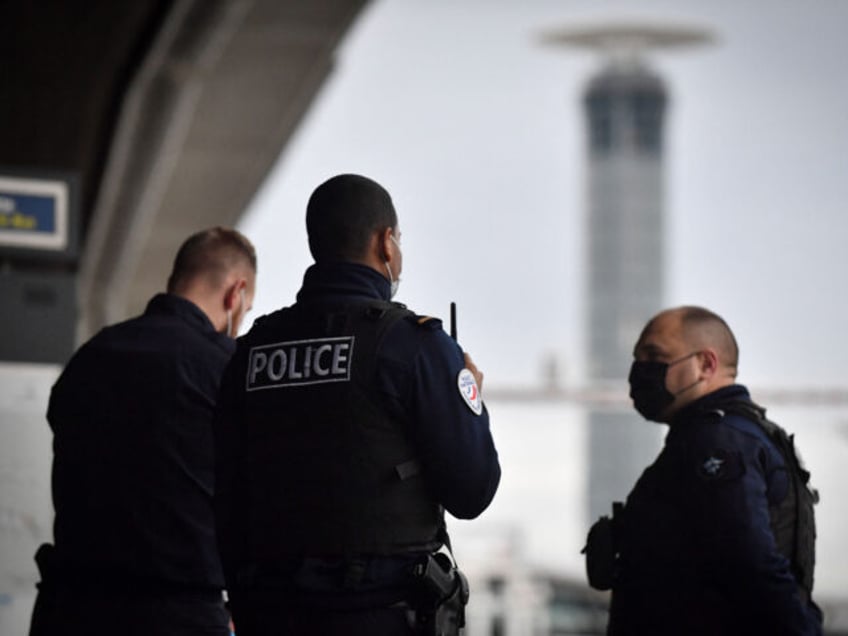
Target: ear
(709,362)
(387,244)
(232,295)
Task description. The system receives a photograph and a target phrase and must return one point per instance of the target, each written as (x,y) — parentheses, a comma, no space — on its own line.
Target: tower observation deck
(625,104)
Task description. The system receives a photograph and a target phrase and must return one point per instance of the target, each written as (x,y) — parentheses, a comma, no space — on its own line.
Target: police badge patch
(468,390)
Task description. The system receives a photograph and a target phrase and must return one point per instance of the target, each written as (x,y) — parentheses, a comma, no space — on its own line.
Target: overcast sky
(476,129)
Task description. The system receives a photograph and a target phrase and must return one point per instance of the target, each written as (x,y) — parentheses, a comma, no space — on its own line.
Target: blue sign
(33,213)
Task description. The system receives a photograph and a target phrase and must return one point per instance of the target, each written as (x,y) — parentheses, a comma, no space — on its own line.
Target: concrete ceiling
(170,112)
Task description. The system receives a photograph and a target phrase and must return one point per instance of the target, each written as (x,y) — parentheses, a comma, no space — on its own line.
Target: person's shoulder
(746,426)
(741,417)
(265,329)
(419,322)
(266,320)
(724,441)
(721,426)
(168,336)
(423,330)
(412,336)
(110,338)
(714,452)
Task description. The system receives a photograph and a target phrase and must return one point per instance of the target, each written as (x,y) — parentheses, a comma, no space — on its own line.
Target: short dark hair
(342,215)
(698,322)
(212,253)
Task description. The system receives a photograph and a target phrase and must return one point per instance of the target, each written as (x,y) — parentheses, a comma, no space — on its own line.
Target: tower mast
(625,103)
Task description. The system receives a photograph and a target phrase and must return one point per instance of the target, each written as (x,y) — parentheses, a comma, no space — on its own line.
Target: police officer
(347,424)
(135,549)
(717,536)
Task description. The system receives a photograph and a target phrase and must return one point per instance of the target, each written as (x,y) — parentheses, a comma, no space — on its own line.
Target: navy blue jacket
(417,370)
(133,469)
(697,553)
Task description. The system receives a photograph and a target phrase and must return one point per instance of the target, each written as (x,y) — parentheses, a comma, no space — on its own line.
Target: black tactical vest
(793,519)
(330,472)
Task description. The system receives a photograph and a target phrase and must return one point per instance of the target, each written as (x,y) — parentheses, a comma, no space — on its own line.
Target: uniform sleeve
(453,439)
(734,475)
(228,467)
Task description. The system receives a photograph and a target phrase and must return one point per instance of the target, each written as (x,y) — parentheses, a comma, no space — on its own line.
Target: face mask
(395,283)
(647,387)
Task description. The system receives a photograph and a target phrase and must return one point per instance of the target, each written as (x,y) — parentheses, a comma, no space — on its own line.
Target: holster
(442,594)
(602,552)
(45,559)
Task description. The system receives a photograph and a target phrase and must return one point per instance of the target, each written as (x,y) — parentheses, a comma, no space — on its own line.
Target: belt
(354,583)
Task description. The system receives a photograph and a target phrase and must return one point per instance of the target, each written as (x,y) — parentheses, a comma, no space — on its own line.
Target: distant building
(625,104)
(624,109)
(511,597)
(535,604)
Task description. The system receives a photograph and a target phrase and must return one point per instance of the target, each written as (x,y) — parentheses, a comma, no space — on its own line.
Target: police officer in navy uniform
(717,536)
(347,424)
(135,549)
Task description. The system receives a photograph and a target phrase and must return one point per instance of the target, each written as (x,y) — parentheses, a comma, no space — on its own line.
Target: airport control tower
(625,103)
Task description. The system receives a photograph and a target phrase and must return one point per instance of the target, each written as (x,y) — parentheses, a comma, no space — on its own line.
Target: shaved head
(701,328)
(694,352)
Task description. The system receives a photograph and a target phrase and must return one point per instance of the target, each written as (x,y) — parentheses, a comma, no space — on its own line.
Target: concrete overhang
(171,112)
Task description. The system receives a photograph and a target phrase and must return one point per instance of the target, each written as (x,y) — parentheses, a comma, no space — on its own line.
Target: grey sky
(476,129)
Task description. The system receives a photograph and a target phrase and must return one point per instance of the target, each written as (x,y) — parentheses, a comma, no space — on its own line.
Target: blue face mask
(647,387)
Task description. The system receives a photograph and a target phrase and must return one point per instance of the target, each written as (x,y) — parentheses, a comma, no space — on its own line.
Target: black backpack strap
(797,539)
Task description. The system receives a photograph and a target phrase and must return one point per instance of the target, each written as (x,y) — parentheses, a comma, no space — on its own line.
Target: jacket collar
(711,402)
(345,281)
(174,305)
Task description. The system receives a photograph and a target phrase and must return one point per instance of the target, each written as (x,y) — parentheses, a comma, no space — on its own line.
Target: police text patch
(299,362)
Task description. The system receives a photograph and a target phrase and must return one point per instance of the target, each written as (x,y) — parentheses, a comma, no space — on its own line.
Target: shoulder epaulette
(430,323)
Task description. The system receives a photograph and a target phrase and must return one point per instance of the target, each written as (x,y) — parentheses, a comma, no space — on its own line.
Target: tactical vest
(330,472)
(793,519)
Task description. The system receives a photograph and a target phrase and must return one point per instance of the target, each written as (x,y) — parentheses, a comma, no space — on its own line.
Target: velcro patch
(299,363)
(469,391)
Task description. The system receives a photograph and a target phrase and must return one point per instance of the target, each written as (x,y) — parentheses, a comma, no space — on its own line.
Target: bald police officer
(135,549)
(347,425)
(717,536)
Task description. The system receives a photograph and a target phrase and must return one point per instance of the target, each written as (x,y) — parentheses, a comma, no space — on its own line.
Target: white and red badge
(469,391)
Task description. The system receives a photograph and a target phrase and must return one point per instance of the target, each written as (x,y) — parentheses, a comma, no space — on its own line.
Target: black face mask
(647,387)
